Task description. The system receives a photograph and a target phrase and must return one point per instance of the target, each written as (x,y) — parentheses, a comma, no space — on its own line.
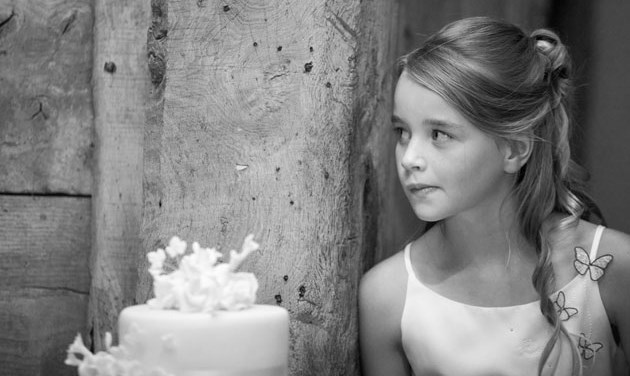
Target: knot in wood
(110,67)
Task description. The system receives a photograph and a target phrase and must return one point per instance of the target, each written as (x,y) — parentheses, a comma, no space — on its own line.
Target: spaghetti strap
(407,254)
(596,239)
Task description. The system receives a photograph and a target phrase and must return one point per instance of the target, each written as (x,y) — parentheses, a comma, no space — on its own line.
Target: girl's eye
(440,136)
(403,134)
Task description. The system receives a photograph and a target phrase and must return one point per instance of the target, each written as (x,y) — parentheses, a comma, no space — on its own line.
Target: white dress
(441,336)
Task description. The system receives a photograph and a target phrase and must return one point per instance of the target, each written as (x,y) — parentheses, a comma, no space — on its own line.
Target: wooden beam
(269,120)
(120,90)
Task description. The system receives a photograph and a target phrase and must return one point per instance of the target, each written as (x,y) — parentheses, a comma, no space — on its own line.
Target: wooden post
(270,120)
(120,78)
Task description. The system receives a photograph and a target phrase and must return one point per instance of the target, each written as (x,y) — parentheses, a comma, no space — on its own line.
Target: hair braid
(559,197)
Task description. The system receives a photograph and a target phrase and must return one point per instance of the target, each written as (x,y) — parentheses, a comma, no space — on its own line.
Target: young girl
(508,279)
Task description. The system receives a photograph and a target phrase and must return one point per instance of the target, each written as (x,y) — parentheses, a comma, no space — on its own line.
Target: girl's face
(447,166)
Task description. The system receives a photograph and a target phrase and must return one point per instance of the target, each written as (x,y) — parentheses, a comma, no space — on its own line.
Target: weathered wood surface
(269,113)
(45,96)
(44,281)
(120,80)
(46,143)
(36,328)
(44,242)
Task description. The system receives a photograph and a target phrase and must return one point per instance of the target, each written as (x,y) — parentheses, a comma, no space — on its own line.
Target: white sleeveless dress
(443,337)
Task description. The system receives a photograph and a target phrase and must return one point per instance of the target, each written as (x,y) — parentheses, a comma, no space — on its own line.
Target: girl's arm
(381,301)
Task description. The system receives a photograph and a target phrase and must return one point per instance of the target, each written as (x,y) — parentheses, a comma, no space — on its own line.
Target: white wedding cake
(202,321)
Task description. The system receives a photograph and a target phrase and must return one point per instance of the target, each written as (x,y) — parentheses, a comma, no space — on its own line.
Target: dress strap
(596,239)
(407,254)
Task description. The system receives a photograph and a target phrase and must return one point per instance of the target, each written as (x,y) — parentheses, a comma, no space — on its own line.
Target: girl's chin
(427,216)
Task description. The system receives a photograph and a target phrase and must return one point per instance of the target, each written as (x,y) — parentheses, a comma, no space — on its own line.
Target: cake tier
(253,341)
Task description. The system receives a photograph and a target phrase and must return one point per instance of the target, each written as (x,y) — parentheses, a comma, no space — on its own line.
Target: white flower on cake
(198,281)
(240,291)
(114,361)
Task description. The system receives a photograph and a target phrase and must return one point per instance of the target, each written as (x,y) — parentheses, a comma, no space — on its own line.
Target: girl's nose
(412,159)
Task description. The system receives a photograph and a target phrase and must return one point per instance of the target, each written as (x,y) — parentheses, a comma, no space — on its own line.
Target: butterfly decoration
(564,312)
(595,268)
(588,348)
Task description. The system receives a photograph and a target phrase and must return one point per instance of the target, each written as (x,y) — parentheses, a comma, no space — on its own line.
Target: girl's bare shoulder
(610,267)
(613,250)
(613,257)
(383,287)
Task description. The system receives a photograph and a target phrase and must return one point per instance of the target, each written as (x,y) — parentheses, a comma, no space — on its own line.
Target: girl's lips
(418,186)
(421,188)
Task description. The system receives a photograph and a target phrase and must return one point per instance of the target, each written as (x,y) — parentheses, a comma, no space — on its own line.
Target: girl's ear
(516,153)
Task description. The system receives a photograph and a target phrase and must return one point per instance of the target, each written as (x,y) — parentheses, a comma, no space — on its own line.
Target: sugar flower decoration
(114,361)
(197,281)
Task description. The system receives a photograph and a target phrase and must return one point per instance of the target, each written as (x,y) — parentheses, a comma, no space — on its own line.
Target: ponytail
(550,187)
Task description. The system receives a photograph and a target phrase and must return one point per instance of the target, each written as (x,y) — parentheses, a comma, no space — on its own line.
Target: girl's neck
(492,241)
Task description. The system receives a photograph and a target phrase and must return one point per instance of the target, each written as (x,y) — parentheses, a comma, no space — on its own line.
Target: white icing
(168,343)
(243,342)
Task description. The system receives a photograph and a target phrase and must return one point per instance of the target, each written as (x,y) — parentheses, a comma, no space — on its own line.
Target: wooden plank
(121,81)
(36,327)
(45,96)
(268,109)
(45,242)
(44,281)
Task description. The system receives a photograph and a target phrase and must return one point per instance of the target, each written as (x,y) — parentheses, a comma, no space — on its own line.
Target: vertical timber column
(267,117)
(120,80)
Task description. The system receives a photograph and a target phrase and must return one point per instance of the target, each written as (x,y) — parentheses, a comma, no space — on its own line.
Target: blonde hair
(510,84)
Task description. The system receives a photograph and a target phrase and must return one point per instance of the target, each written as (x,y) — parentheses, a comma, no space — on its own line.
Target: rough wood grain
(44,281)
(36,327)
(267,111)
(121,81)
(45,242)
(46,129)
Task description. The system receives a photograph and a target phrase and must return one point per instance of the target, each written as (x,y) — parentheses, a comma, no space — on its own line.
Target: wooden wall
(46,149)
